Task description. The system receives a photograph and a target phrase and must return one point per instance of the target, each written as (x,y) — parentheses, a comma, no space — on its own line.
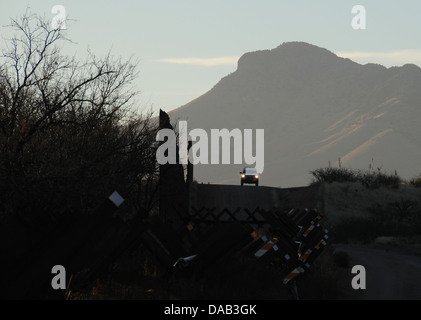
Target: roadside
(390,274)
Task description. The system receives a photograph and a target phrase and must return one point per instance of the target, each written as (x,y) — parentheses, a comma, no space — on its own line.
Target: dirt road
(390,275)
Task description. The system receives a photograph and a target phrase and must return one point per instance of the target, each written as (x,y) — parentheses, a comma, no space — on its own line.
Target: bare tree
(68,129)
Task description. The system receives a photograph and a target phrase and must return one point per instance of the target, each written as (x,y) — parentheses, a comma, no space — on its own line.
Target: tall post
(172,187)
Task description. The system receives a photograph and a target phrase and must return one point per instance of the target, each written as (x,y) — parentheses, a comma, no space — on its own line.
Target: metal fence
(186,243)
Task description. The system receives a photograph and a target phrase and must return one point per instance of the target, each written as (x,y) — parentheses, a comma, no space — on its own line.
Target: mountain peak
(314,107)
(299,45)
(288,54)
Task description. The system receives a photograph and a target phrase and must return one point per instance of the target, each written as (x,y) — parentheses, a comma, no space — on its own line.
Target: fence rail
(293,239)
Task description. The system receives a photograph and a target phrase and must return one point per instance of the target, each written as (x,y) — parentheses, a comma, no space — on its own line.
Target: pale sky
(186,46)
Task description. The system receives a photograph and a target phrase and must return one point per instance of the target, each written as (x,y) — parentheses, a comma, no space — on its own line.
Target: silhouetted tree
(68,130)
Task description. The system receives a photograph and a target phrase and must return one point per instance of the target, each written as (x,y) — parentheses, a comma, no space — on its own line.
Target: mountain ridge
(296,92)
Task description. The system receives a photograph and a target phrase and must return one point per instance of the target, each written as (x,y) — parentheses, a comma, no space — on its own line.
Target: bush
(416,182)
(367,178)
(377,179)
(330,175)
(393,219)
(355,230)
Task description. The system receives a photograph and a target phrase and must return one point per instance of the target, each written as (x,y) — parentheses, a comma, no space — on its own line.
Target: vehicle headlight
(256,176)
(243,176)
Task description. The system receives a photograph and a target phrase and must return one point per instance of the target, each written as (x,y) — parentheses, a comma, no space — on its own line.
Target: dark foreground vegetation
(69,132)
(368,178)
(365,205)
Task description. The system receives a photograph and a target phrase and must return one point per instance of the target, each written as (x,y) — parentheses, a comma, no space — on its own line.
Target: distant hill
(315,107)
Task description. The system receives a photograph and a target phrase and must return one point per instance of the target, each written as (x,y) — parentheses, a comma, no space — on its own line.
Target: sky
(184,47)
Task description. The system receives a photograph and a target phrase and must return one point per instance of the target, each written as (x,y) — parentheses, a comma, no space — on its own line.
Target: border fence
(185,243)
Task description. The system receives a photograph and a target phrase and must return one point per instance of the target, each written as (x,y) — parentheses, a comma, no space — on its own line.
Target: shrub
(355,230)
(330,175)
(368,178)
(377,179)
(416,182)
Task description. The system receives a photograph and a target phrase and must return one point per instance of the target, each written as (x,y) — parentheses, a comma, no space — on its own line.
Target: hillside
(315,107)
